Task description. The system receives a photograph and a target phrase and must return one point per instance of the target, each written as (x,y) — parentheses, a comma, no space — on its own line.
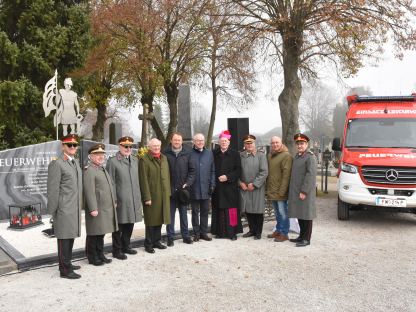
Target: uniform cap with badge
(301,137)
(70,139)
(97,148)
(249,138)
(126,141)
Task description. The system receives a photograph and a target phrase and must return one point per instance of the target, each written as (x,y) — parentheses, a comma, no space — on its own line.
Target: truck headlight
(348,168)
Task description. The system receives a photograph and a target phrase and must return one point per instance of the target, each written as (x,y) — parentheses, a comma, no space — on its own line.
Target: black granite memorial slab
(24,175)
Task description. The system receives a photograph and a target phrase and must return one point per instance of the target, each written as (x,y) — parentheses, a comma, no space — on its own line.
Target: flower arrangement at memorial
(142,151)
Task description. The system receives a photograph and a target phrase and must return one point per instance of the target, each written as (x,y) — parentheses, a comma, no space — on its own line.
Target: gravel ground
(365,264)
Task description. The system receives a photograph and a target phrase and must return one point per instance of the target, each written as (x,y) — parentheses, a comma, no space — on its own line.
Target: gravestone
(24,175)
(184,112)
(115,132)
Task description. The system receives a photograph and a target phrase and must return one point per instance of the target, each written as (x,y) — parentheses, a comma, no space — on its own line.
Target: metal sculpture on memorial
(65,102)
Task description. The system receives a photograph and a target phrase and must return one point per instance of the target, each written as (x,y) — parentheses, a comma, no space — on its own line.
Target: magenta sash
(233,216)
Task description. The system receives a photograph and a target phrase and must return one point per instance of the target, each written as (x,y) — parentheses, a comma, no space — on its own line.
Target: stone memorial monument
(65,102)
(184,112)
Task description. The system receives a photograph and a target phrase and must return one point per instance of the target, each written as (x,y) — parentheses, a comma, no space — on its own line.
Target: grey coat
(99,195)
(303,180)
(64,191)
(125,175)
(254,170)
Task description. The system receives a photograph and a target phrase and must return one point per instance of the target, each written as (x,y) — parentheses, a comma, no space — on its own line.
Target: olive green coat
(99,195)
(303,180)
(125,175)
(64,191)
(155,186)
(280,167)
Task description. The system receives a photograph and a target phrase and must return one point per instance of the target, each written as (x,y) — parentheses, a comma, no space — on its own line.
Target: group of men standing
(161,183)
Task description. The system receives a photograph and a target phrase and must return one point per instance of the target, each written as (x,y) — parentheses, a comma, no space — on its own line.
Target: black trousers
(65,255)
(121,238)
(255,222)
(200,209)
(305,229)
(95,247)
(153,235)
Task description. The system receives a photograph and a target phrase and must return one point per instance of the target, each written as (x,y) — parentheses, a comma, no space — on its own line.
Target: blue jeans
(183,218)
(282,219)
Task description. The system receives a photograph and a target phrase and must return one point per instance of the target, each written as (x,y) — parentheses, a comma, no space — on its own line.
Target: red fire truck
(378,162)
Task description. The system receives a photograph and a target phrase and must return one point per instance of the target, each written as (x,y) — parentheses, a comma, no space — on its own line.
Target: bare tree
(305,32)
(316,107)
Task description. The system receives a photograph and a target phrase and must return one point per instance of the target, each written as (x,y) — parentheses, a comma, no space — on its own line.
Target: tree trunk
(292,90)
(98,128)
(213,114)
(172,90)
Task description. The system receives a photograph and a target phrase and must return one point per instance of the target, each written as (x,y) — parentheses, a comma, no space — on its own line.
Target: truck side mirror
(336,144)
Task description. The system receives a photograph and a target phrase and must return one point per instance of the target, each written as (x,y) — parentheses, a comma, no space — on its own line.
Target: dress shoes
(159,245)
(130,251)
(205,237)
(187,240)
(273,235)
(248,234)
(105,260)
(149,250)
(281,238)
(119,256)
(170,243)
(303,243)
(234,238)
(196,238)
(257,236)
(75,267)
(70,275)
(295,240)
(96,262)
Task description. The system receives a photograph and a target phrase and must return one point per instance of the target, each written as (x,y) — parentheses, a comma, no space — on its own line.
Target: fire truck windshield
(381,132)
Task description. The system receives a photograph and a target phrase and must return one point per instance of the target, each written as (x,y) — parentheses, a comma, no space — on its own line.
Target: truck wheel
(343,210)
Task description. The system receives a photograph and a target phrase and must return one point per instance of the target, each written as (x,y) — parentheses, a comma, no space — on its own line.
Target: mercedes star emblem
(392,175)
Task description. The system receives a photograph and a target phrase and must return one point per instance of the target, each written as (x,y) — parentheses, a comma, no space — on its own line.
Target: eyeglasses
(71,145)
(127,146)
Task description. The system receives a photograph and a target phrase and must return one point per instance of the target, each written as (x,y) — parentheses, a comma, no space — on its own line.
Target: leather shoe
(187,240)
(96,262)
(196,238)
(234,238)
(205,237)
(70,275)
(303,243)
(281,238)
(105,260)
(248,234)
(130,251)
(273,235)
(296,240)
(149,250)
(170,243)
(75,267)
(159,245)
(119,256)
(257,236)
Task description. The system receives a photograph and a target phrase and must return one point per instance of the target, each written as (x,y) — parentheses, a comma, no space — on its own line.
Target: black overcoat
(226,194)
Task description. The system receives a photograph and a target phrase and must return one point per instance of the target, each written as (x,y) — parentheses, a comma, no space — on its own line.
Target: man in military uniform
(302,190)
(100,206)
(252,184)
(64,191)
(124,171)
